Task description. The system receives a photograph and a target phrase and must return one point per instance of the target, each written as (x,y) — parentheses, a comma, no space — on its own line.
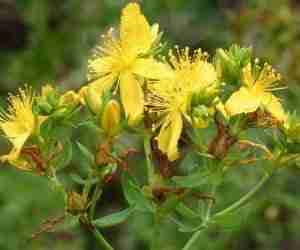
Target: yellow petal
(169,135)
(205,74)
(82,94)
(12,129)
(150,68)
(135,31)
(92,93)
(273,105)
(242,101)
(18,143)
(17,162)
(104,82)
(132,97)
(154,32)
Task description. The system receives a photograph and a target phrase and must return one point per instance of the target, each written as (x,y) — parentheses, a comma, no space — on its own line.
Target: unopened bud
(76,203)
(69,98)
(111,118)
(46,90)
(92,97)
(201,116)
(81,94)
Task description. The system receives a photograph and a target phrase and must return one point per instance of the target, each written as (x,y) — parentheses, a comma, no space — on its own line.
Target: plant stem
(155,234)
(192,240)
(103,244)
(150,169)
(96,195)
(210,204)
(242,201)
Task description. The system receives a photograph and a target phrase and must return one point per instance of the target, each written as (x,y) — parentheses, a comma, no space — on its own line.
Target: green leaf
(169,205)
(134,195)
(79,180)
(87,154)
(186,212)
(192,180)
(46,128)
(186,227)
(65,156)
(53,128)
(113,219)
(232,221)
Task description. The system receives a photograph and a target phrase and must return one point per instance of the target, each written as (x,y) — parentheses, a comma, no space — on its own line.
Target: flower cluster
(176,104)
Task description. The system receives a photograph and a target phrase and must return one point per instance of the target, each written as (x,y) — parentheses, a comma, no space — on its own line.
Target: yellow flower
(18,124)
(170,99)
(126,59)
(256,93)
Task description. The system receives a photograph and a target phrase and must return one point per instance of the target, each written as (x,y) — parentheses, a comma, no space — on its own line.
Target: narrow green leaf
(186,212)
(134,194)
(169,205)
(65,157)
(192,180)
(79,180)
(113,219)
(86,153)
(185,227)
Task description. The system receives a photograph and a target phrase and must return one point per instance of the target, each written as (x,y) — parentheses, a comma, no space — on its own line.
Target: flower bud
(69,98)
(81,94)
(76,203)
(46,90)
(92,97)
(201,116)
(50,95)
(229,63)
(111,118)
(291,128)
(221,108)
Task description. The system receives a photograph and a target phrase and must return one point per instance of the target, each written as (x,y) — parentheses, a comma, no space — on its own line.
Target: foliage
(213,141)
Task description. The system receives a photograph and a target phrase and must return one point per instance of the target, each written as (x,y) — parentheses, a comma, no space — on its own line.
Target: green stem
(210,204)
(155,234)
(150,168)
(242,201)
(192,240)
(103,244)
(96,195)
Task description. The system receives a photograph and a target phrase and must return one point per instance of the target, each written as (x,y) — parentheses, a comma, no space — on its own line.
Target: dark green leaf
(192,180)
(134,194)
(113,219)
(65,156)
(79,180)
(186,212)
(87,154)
(169,205)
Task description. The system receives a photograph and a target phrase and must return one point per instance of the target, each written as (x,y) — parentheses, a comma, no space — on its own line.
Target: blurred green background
(49,42)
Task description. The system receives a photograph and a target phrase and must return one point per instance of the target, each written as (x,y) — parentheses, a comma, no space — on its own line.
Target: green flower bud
(69,98)
(201,116)
(291,128)
(229,63)
(111,118)
(92,97)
